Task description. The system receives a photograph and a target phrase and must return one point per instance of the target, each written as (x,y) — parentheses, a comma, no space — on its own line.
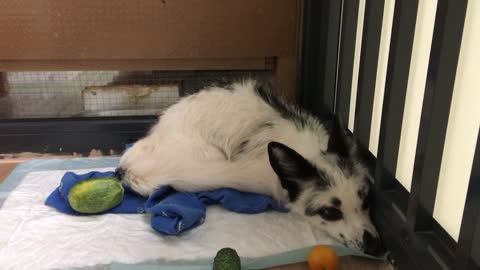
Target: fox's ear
(338,142)
(288,164)
(292,169)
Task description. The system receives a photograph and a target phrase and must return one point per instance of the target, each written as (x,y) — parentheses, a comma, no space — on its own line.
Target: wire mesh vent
(61,94)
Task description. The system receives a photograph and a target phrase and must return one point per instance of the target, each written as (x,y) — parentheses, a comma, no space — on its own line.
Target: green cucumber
(227,259)
(96,195)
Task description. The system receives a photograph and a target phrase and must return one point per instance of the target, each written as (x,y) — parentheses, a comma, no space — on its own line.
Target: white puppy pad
(35,236)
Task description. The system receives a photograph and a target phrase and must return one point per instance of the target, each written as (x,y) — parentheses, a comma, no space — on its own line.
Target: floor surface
(346,263)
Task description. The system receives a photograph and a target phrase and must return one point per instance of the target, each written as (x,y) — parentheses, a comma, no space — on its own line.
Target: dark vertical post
(447,38)
(346,58)
(331,54)
(312,22)
(401,45)
(400,53)
(372,30)
(475,255)
(319,55)
(471,214)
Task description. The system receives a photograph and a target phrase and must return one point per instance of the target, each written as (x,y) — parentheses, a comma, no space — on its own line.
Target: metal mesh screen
(63,94)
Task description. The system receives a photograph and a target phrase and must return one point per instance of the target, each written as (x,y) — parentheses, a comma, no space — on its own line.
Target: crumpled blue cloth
(172,212)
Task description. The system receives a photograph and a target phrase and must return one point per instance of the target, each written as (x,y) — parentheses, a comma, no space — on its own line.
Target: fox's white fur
(221,138)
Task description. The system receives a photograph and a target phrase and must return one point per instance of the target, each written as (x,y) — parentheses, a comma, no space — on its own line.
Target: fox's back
(220,136)
(239,120)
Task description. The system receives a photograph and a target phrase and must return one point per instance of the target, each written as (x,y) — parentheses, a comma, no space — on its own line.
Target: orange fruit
(323,258)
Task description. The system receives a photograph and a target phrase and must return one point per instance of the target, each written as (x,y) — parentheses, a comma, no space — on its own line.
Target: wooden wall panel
(146,29)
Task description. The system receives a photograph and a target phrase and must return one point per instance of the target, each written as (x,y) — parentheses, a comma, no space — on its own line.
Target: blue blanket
(172,212)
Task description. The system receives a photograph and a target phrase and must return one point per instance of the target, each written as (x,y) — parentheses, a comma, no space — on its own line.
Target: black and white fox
(242,136)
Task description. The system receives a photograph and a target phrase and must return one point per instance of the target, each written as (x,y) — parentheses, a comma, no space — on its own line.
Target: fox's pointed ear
(338,142)
(292,169)
(288,164)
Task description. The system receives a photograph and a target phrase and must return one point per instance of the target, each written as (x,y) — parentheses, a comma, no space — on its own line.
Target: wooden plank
(146,29)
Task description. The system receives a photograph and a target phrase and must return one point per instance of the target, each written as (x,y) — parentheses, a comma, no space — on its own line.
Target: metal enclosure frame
(405,220)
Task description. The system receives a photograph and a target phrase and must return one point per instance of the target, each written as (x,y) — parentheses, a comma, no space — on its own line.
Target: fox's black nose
(119,173)
(373,245)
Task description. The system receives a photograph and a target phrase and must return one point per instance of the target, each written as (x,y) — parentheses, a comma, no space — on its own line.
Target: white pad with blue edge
(35,236)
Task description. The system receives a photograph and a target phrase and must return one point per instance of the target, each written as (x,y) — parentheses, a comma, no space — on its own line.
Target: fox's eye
(331,213)
(327,213)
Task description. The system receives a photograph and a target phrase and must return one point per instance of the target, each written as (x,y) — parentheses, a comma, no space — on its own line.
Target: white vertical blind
(463,125)
(381,75)
(356,63)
